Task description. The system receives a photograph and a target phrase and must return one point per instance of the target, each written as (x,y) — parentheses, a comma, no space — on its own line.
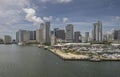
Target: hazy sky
(28,14)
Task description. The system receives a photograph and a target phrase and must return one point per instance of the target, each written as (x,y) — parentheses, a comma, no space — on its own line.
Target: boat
(21,43)
(40,46)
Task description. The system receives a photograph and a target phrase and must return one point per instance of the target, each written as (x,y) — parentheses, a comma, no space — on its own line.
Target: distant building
(20,36)
(7,39)
(32,35)
(25,36)
(53,40)
(97,31)
(47,32)
(43,34)
(55,32)
(1,41)
(116,34)
(39,36)
(86,36)
(69,33)
(77,36)
(60,34)
(109,37)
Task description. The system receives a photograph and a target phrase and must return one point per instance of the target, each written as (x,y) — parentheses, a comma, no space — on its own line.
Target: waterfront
(31,61)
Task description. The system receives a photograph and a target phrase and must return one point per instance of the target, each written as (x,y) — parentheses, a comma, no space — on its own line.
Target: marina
(86,53)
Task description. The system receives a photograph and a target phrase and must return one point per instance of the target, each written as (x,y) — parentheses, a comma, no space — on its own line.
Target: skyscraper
(77,36)
(43,34)
(55,31)
(116,34)
(97,31)
(47,32)
(32,35)
(60,34)
(86,36)
(69,33)
(25,36)
(20,36)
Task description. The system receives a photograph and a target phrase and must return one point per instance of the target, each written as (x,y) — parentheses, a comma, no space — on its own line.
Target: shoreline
(67,57)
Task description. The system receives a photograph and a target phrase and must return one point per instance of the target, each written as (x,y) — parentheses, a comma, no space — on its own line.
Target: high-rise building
(39,36)
(60,34)
(77,36)
(86,36)
(116,34)
(7,39)
(20,36)
(47,32)
(17,36)
(97,31)
(43,34)
(32,35)
(53,39)
(69,33)
(25,36)
(55,32)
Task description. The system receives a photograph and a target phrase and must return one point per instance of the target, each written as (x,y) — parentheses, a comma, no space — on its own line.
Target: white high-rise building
(20,36)
(69,33)
(97,31)
(24,36)
(43,34)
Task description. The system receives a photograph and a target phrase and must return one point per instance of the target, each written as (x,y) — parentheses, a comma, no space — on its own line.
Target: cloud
(47,18)
(65,19)
(56,1)
(117,17)
(31,16)
(57,19)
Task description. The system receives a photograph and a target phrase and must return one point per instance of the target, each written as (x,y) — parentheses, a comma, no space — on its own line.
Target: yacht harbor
(86,52)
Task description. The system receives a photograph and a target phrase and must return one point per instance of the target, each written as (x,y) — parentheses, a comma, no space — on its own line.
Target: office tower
(69,33)
(47,32)
(60,34)
(97,31)
(116,34)
(77,36)
(53,39)
(17,36)
(43,34)
(20,36)
(55,31)
(32,35)
(86,36)
(39,36)
(7,39)
(26,37)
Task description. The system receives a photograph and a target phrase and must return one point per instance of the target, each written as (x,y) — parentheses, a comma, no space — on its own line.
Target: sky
(28,14)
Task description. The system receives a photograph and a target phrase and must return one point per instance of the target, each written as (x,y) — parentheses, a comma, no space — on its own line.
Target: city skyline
(28,14)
